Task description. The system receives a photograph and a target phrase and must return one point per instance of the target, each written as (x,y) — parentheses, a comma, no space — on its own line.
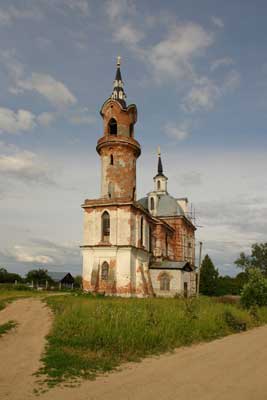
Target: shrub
(254,292)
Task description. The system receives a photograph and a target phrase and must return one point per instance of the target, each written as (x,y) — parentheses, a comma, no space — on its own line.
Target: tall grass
(94,335)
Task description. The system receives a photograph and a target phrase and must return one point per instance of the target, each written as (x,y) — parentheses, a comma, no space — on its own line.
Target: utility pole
(199,267)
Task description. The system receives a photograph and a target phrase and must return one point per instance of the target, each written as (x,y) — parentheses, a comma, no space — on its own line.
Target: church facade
(134,247)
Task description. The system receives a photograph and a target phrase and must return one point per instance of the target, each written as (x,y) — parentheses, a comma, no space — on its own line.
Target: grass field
(94,335)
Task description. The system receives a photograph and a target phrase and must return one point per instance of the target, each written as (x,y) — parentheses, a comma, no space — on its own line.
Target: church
(134,248)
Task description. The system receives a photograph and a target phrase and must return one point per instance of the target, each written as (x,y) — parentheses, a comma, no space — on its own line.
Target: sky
(197,72)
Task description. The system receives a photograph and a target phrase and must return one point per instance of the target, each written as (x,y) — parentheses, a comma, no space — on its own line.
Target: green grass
(92,335)
(4,328)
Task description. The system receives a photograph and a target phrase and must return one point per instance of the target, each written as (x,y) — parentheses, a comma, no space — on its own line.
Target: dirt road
(232,368)
(20,349)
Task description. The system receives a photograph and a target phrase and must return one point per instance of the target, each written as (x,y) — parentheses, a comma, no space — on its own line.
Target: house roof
(171,265)
(57,276)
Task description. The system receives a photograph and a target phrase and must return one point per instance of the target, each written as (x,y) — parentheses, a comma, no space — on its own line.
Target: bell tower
(117,147)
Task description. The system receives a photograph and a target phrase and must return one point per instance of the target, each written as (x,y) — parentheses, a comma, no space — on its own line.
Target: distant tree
(208,277)
(78,280)
(38,275)
(8,277)
(257,259)
(254,292)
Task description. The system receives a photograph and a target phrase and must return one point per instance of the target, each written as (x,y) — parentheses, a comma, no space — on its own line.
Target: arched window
(104,271)
(112,127)
(111,160)
(105,226)
(131,130)
(164,282)
(152,204)
(158,185)
(141,231)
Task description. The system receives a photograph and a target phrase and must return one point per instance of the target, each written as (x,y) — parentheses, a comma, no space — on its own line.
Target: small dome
(167,206)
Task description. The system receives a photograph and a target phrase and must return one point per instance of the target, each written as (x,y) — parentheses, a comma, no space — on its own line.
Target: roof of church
(167,206)
(184,265)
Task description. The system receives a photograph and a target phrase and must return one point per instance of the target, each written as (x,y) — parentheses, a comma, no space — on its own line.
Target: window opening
(105,226)
(164,282)
(112,127)
(104,271)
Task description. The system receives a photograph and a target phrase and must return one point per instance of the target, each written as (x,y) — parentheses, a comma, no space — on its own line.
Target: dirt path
(20,349)
(232,368)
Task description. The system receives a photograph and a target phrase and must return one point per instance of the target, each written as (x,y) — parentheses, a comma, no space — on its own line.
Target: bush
(254,292)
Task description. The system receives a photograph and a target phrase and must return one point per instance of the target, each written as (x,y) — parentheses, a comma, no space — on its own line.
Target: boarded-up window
(105,226)
(164,282)
(104,271)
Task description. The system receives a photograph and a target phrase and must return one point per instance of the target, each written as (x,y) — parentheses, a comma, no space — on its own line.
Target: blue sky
(197,72)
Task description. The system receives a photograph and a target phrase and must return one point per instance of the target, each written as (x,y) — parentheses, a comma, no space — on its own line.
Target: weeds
(94,335)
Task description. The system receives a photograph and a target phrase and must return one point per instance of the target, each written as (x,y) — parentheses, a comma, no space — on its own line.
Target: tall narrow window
(158,185)
(111,160)
(165,282)
(104,271)
(105,227)
(110,190)
(131,130)
(152,204)
(141,231)
(112,127)
(150,240)
(166,244)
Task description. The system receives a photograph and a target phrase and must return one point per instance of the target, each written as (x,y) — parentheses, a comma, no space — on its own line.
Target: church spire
(160,168)
(118,91)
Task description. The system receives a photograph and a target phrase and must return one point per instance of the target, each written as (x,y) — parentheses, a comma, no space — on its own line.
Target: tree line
(252,265)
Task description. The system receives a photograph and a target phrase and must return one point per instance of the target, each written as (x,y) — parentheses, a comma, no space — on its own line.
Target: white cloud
(177,132)
(82,119)
(202,97)
(54,91)
(24,166)
(232,80)
(21,254)
(173,56)
(118,9)
(14,122)
(128,35)
(221,62)
(11,14)
(217,22)
(46,118)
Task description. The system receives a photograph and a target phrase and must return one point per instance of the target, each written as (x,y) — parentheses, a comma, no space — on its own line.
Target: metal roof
(182,265)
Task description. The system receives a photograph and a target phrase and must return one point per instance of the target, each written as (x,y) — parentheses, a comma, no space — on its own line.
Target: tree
(208,277)
(254,292)
(257,259)
(78,280)
(38,275)
(7,277)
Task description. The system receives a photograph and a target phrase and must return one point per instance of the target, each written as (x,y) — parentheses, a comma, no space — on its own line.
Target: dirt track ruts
(232,368)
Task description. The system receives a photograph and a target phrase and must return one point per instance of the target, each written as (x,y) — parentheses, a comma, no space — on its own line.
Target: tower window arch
(158,183)
(164,282)
(105,222)
(152,204)
(112,126)
(111,159)
(104,271)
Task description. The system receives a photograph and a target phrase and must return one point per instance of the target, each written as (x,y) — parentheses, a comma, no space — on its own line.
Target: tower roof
(160,167)
(118,93)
